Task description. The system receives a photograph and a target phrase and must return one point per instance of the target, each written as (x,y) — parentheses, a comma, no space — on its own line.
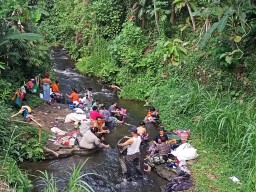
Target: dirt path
(47,116)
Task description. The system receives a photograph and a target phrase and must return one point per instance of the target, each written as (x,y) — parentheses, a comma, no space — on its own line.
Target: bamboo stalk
(40,134)
(191,16)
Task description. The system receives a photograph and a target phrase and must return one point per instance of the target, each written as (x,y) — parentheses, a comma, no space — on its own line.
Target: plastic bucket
(71,106)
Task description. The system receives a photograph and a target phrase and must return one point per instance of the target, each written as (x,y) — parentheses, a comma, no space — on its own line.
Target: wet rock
(53,147)
(162,188)
(65,152)
(79,151)
(165,173)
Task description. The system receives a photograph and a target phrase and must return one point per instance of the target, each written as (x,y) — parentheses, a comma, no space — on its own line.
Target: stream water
(105,162)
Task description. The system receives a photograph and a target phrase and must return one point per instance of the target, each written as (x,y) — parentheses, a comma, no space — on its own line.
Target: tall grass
(74,184)
(221,120)
(49,181)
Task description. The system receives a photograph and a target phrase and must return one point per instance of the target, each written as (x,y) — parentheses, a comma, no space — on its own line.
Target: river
(105,162)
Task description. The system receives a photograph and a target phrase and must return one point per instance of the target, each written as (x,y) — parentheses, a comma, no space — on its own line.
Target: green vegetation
(75,182)
(18,143)
(24,54)
(192,59)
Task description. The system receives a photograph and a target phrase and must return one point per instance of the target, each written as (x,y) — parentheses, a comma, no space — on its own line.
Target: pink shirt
(95,114)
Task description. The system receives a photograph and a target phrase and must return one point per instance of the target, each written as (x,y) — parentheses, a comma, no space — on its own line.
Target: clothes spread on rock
(180,183)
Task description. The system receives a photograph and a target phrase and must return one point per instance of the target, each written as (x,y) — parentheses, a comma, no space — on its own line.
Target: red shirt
(95,114)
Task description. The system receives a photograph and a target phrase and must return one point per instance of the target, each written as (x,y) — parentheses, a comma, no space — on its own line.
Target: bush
(10,173)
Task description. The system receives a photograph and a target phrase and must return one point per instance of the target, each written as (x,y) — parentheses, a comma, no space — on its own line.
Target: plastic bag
(185,152)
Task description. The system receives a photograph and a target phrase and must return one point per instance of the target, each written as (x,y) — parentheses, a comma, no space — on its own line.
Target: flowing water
(104,162)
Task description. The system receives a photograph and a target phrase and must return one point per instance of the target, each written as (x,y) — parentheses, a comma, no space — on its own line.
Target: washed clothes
(180,183)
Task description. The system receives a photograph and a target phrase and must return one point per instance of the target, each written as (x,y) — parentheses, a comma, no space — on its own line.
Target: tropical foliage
(23,55)
(192,59)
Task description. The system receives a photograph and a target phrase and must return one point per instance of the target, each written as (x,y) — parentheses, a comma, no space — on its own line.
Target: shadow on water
(105,162)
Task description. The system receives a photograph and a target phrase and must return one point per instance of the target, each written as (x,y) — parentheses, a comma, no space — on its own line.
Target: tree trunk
(143,21)
(207,24)
(172,19)
(191,16)
(156,17)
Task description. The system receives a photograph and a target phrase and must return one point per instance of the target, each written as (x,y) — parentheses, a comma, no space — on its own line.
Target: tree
(179,4)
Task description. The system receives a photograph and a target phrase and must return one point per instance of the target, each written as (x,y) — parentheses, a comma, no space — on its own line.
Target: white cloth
(74,117)
(185,152)
(135,146)
(75,103)
(58,131)
(22,89)
(79,111)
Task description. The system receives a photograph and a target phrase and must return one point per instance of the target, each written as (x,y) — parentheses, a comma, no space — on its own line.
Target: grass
(212,170)
(225,127)
(74,184)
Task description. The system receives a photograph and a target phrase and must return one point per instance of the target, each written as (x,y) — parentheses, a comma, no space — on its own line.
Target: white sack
(74,117)
(185,152)
(58,131)
(79,111)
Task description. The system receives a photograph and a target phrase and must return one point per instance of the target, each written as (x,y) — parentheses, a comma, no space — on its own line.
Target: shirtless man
(142,131)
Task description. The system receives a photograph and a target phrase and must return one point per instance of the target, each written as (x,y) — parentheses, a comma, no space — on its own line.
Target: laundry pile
(173,153)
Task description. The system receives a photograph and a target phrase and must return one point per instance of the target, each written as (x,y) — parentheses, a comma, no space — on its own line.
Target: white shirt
(135,147)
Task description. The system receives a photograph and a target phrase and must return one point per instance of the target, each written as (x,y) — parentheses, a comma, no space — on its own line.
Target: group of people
(133,144)
(94,129)
(95,126)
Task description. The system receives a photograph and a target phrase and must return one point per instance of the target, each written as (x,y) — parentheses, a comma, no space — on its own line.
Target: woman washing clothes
(56,94)
(73,96)
(46,82)
(158,152)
